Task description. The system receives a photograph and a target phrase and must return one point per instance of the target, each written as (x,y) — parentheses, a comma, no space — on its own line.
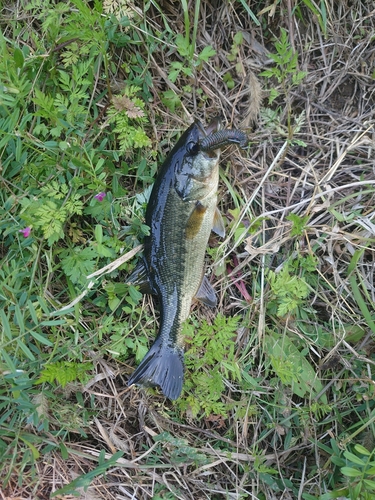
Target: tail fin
(162,366)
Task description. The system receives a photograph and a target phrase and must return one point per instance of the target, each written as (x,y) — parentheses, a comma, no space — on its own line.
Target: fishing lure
(224,137)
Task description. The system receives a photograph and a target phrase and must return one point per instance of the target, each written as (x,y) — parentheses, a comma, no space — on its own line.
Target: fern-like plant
(63,372)
(289,291)
(127,113)
(210,357)
(49,215)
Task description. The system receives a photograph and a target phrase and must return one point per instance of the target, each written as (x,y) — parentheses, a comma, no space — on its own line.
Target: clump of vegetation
(278,400)
(286,76)
(210,359)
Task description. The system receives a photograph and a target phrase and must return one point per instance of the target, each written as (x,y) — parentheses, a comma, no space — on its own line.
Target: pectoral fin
(206,294)
(195,220)
(218,226)
(139,278)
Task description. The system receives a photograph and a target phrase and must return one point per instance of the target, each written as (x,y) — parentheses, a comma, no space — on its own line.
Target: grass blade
(361,303)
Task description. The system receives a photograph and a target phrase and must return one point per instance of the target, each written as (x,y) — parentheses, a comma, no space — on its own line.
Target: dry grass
(330,179)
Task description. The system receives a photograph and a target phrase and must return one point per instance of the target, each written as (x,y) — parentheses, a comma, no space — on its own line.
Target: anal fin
(206,293)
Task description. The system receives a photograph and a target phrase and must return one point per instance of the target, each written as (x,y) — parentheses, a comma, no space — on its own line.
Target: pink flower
(100,196)
(26,232)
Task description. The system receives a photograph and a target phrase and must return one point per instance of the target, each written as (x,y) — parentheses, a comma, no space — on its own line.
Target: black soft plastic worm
(224,137)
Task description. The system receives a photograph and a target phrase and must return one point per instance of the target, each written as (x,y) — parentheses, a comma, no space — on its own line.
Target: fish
(181,213)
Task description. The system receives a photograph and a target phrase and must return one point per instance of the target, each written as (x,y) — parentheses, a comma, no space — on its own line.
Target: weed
(285,73)
(125,109)
(291,366)
(319,13)
(186,50)
(64,372)
(232,57)
(180,451)
(84,480)
(285,70)
(62,197)
(299,224)
(289,291)
(210,357)
(357,467)
(191,63)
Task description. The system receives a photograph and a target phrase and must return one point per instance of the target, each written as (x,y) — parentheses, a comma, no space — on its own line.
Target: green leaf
(350,472)
(338,461)
(343,493)
(53,322)
(19,319)
(361,303)
(8,361)
(298,77)
(353,458)
(140,352)
(113,303)
(63,372)
(289,290)
(104,251)
(299,224)
(245,5)
(293,368)
(268,73)
(171,100)
(134,294)
(335,447)
(274,94)
(41,338)
(238,38)
(64,451)
(32,311)
(78,263)
(321,15)
(6,324)
(183,45)
(210,357)
(18,58)
(356,490)
(206,53)
(85,480)
(26,350)
(34,451)
(175,71)
(173,75)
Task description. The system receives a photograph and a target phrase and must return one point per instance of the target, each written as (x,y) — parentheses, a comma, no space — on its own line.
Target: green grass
(279,394)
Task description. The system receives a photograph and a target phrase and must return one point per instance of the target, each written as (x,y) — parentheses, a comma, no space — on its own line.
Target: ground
(93,95)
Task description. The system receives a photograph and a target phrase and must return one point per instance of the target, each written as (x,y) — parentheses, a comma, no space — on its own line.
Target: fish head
(197,172)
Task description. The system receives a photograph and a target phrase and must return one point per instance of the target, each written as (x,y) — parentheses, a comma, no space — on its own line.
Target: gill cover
(190,165)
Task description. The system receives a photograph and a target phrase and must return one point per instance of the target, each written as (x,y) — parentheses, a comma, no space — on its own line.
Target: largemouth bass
(181,213)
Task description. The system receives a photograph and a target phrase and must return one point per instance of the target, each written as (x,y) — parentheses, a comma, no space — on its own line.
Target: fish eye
(192,148)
